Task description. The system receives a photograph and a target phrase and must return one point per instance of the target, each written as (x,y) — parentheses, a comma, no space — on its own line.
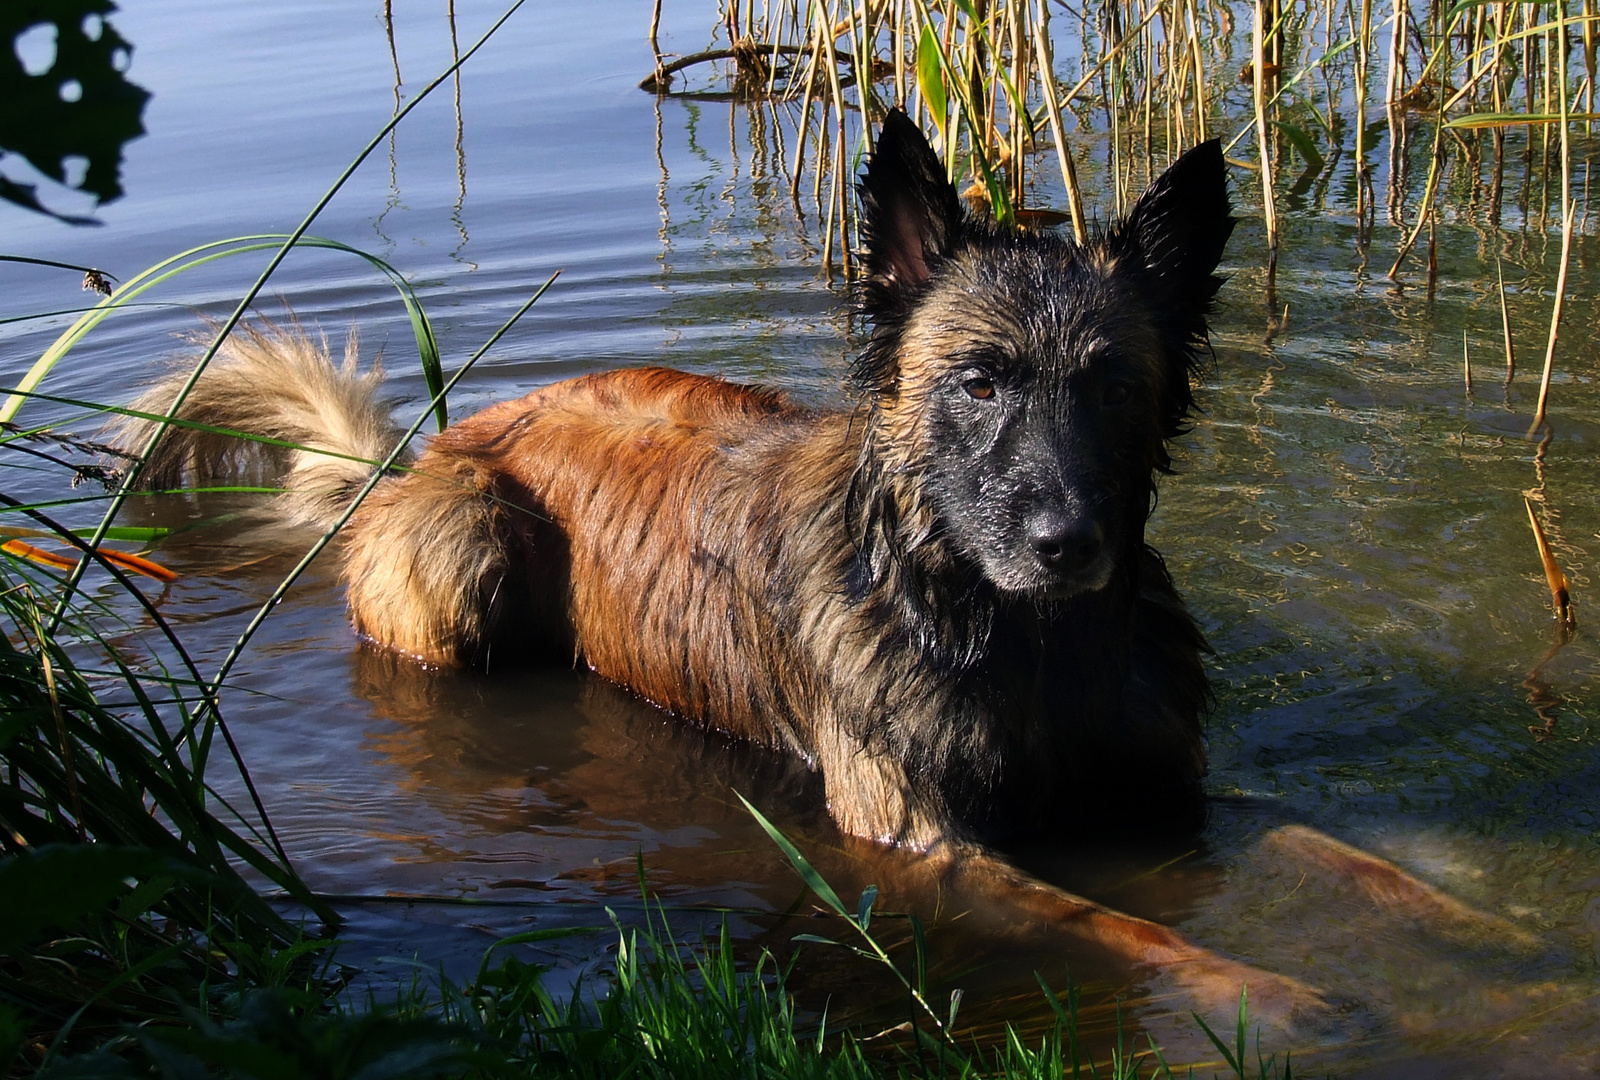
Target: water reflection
(579,777)
(555,781)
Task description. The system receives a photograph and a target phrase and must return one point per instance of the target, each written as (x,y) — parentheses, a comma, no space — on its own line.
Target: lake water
(1348,525)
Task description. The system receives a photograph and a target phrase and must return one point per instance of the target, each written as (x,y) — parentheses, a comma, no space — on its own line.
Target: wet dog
(942,601)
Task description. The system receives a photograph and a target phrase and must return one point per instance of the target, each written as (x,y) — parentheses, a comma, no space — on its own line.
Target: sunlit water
(1348,524)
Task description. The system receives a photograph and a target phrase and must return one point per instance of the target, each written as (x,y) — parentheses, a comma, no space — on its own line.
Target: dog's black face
(1037,381)
(1029,382)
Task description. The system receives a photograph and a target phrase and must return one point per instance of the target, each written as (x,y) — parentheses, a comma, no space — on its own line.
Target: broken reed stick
(1560,590)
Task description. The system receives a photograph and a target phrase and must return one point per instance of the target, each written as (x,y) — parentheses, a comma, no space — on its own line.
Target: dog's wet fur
(941,600)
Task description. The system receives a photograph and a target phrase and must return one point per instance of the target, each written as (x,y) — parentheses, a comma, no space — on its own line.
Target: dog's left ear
(1179,227)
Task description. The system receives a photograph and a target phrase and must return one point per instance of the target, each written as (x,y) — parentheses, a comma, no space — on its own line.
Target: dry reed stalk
(1258,77)
(899,53)
(1363,31)
(1199,72)
(841,189)
(836,192)
(1589,48)
(1183,126)
(1395,86)
(1195,64)
(1545,92)
(1505,323)
(775,43)
(1425,216)
(861,51)
(1555,319)
(969,84)
(828,223)
(809,80)
(824,157)
(655,30)
(1568,213)
(1020,123)
(1504,19)
(1150,65)
(1069,176)
(1171,57)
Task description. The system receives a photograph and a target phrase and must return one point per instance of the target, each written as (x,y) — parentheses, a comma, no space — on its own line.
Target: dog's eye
(979,388)
(1116,394)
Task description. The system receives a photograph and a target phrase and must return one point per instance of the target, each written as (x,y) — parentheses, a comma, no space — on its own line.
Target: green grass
(667,1010)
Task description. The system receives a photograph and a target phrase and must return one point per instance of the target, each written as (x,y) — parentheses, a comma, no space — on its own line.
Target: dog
(942,600)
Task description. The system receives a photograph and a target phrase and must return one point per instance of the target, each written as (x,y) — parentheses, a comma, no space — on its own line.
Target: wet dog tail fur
(272,381)
(438,598)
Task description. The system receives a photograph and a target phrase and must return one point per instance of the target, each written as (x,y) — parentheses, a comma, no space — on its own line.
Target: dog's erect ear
(912,216)
(1180,225)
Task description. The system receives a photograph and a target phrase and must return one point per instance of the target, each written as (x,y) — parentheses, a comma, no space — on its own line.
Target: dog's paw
(1285,1010)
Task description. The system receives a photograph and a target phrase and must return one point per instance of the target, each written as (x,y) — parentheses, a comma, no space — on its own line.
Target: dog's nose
(1065,543)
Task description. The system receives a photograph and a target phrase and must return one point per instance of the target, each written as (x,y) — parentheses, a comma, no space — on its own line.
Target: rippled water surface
(1348,523)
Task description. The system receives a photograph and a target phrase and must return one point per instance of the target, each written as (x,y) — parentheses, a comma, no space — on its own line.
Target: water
(1348,524)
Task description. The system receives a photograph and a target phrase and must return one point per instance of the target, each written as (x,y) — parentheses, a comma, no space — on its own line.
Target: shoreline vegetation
(1477,111)
(135,939)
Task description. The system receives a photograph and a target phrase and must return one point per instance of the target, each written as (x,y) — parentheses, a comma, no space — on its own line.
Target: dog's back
(613,518)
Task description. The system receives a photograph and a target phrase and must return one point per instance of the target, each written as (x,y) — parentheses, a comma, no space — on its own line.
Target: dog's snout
(1065,543)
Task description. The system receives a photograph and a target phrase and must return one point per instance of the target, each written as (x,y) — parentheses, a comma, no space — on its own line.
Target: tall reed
(1004,85)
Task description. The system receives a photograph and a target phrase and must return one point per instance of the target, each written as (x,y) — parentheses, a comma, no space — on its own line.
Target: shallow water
(1348,525)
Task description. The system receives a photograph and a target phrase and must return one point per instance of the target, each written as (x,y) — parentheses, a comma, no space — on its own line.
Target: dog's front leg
(1392,890)
(869,796)
(1212,982)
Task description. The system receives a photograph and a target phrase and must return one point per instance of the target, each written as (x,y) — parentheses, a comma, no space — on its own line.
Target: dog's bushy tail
(275,381)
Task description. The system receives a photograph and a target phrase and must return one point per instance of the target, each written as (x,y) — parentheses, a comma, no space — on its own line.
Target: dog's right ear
(911,218)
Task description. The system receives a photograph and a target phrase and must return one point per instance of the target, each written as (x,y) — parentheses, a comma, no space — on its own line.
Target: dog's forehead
(1038,301)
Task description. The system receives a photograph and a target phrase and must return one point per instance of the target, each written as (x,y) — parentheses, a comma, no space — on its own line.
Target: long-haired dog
(942,600)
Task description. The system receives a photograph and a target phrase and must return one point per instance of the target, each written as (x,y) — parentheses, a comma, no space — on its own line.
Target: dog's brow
(985,355)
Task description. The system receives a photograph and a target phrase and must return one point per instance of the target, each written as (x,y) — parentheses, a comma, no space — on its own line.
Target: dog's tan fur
(280,383)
